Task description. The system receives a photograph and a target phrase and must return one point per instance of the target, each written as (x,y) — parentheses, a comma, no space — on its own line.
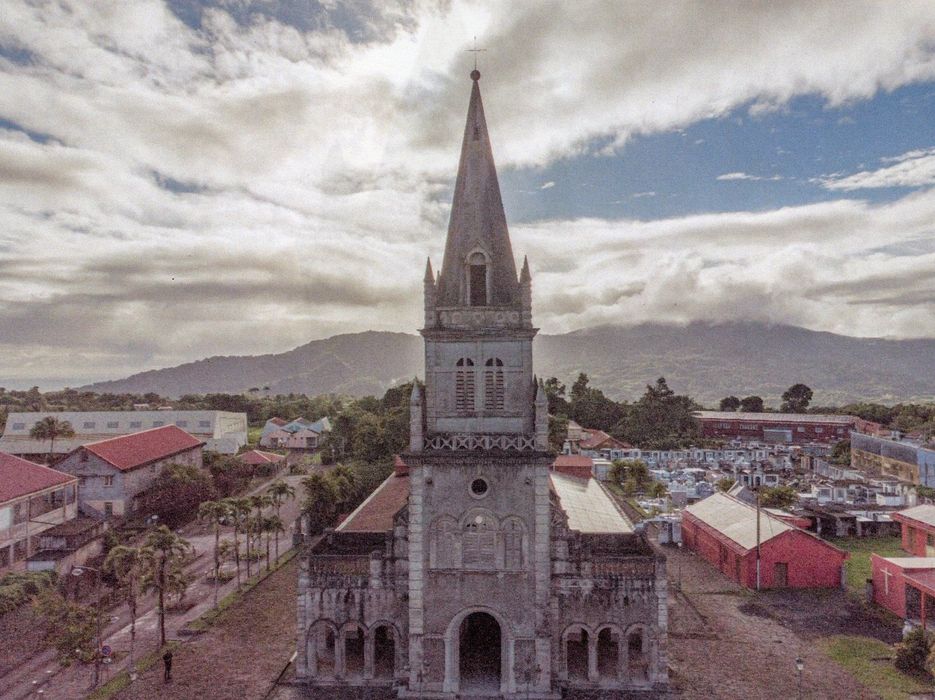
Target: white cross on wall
(886,581)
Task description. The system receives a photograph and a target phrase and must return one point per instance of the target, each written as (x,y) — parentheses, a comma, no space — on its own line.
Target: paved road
(42,676)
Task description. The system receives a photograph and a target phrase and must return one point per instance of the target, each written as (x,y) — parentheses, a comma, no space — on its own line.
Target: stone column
(340,662)
(593,675)
(368,655)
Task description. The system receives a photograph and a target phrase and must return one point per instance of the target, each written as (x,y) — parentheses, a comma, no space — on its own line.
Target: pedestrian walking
(167,662)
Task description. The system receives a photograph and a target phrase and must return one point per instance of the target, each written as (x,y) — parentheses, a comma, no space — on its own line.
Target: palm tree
(218,513)
(258,501)
(50,428)
(239,508)
(127,564)
(279,491)
(272,524)
(163,551)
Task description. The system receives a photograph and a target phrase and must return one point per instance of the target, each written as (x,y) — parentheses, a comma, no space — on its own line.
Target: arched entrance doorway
(479,650)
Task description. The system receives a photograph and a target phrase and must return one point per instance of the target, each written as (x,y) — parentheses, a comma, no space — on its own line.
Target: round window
(479,487)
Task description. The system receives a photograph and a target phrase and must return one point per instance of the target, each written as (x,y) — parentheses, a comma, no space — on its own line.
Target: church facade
(475,570)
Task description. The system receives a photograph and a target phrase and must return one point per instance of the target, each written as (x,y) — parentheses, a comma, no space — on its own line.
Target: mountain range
(706,361)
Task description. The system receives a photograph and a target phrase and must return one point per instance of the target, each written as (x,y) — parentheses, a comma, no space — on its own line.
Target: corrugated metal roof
(19,478)
(911,562)
(924,514)
(737,520)
(131,451)
(588,506)
(777,417)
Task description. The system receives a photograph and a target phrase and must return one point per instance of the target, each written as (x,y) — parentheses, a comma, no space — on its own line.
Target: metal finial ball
(475,74)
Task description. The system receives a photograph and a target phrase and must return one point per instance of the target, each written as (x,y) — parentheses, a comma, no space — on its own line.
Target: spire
(478,222)
(524,276)
(429,275)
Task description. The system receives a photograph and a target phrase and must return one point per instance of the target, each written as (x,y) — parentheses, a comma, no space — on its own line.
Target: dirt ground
(237,658)
(728,643)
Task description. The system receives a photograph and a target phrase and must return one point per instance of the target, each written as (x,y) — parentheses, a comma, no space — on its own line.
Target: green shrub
(913,652)
(18,587)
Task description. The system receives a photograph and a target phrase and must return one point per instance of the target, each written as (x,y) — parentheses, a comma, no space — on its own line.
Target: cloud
(745,176)
(913,169)
(547,185)
(243,176)
(638,195)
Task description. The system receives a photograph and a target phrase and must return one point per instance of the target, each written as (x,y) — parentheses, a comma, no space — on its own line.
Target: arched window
(464,385)
(477,279)
(479,543)
(493,385)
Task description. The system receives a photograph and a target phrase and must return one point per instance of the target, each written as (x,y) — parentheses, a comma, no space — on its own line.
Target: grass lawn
(870,661)
(858,566)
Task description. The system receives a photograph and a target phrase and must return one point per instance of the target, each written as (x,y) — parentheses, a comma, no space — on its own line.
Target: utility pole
(757,539)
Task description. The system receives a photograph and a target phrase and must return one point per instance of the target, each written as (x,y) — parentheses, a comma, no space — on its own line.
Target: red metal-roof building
(904,585)
(115,472)
(789,428)
(918,529)
(574,465)
(33,498)
(723,530)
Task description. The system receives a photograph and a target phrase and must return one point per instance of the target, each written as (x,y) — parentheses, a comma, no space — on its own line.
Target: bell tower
(479,384)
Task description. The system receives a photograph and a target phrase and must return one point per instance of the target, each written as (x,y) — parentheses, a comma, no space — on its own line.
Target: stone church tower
(475,569)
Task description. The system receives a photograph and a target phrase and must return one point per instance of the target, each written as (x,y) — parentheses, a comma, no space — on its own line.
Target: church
(475,569)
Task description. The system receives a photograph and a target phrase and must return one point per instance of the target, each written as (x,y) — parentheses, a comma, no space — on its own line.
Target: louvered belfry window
(493,385)
(464,385)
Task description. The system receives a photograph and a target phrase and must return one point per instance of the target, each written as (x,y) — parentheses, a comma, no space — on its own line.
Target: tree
(279,491)
(258,501)
(164,551)
(730,403)
(555,392)
(751,404)
(796,398)
(778,497)
(841,453)
(217,513)
(128,565)
(176,494)
(725,484)
(70,626)
(271,524)
(239,511)
(632,471)
(558,431)
(657,490)
(319,505)
(51,428)
(661,419)
(590,408)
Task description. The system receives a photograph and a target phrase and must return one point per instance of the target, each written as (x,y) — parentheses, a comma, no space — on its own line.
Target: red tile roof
(260,457)
(377,512)
(138,449)
(574,465)
(19,477)
(277,421)
(598,438)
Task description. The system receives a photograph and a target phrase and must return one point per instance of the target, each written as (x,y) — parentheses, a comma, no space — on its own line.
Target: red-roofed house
(33,499)
(114,473)
(260,458)
(574,465)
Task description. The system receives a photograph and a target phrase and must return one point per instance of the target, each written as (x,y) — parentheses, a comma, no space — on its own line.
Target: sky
(182,179)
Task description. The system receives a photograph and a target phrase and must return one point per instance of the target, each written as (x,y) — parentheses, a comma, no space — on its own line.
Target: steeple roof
(478,221)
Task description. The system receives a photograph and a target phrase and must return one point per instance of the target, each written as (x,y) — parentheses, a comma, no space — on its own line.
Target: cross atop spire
(475,51)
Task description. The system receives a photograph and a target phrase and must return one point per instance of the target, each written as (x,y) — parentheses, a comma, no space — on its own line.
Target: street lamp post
(79,571)
(799,667)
